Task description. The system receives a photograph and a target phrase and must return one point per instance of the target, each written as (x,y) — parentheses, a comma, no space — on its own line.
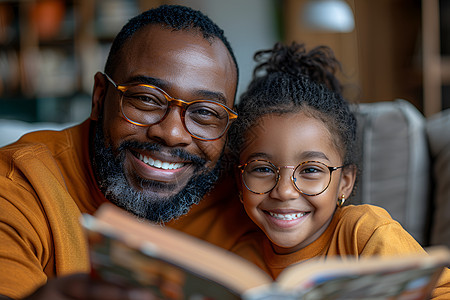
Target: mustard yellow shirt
(355,231)
(46,182)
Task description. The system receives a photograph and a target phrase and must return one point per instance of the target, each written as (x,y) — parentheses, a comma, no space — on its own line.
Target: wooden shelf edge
(445,69)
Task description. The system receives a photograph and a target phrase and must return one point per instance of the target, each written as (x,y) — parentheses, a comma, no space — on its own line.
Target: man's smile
(159,164)
(160,167)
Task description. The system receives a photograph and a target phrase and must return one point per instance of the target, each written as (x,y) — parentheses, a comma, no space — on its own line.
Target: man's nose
(170,131)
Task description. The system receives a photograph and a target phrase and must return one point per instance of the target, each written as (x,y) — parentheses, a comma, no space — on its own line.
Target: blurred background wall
(50,49)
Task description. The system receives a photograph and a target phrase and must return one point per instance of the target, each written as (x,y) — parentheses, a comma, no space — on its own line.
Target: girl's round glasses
(310,178)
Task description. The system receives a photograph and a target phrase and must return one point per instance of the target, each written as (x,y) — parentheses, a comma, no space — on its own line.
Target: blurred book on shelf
(50,51)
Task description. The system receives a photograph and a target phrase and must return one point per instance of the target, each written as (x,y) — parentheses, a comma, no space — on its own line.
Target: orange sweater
(46,182)
(357,231)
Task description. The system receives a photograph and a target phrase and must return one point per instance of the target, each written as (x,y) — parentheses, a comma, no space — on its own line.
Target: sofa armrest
(438,130)
(395,163)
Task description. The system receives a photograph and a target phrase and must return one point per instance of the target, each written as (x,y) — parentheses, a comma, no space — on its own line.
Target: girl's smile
(285,218)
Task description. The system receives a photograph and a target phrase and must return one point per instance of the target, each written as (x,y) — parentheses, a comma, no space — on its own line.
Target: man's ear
(239,183)
(348,178)
(238,178)
(98,95)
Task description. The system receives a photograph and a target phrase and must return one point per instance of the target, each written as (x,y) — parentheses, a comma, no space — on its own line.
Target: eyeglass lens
(146,105)
(310,178)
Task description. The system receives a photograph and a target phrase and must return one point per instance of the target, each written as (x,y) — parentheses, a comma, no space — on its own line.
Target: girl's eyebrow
(303,156)
(311,155)
(259,155)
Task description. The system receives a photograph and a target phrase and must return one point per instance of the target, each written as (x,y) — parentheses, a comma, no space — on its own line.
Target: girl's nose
(285,189)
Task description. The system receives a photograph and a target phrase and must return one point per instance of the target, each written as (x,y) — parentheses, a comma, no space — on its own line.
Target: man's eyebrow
(148,80)
(210,95)
(164,85)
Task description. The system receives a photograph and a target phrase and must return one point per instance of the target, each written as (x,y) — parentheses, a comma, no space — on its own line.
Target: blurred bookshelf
(436,55)
(50,51)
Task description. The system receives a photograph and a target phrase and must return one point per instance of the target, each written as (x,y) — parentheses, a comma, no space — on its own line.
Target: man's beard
(110,175)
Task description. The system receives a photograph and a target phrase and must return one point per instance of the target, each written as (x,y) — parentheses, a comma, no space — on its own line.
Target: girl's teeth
(286,217)
(159,164)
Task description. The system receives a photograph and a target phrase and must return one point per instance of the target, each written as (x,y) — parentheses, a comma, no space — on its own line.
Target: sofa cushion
(12,130)
(395,163)
(438,129)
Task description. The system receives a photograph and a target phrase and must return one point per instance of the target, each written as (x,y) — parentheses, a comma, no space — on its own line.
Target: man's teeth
(286,217)
(159,164)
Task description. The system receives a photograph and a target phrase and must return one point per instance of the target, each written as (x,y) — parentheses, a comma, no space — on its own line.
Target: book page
(113,260)
(200,258)
(412,277)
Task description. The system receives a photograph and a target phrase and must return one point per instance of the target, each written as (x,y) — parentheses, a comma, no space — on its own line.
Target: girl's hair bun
(319,64)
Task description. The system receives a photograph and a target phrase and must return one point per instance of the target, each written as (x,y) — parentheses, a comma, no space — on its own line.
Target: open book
(132,252)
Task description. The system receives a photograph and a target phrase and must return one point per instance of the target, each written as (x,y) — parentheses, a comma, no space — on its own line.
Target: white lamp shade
(328,15)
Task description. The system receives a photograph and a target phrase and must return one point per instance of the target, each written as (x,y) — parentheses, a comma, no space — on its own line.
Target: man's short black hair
(175,17)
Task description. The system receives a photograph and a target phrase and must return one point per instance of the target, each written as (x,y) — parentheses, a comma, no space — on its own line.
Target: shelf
(445,70)
(50,51)
(436,68)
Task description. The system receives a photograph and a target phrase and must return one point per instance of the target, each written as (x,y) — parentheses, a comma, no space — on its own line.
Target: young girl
(295,141)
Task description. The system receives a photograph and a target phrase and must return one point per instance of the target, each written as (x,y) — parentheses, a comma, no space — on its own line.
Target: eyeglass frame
(232,115)
(332,169)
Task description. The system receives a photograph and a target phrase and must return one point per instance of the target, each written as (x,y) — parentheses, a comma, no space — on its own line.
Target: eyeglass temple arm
(336,168)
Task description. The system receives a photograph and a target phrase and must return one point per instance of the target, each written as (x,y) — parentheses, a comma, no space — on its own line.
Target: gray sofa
(405,165)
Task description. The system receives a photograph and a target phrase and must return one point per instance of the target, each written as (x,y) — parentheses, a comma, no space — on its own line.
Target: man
(152,146)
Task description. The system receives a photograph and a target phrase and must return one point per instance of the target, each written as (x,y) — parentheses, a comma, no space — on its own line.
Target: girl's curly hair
(289,79)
